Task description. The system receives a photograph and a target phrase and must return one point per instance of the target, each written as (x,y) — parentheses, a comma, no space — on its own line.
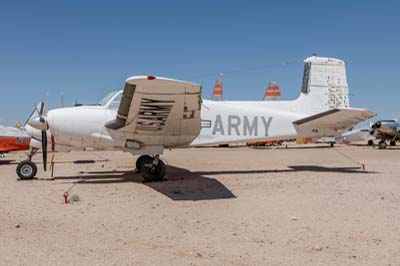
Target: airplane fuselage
(8,144)
(221,122)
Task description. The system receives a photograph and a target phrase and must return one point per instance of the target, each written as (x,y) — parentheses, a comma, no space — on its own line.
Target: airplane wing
(331,123)
(157,111)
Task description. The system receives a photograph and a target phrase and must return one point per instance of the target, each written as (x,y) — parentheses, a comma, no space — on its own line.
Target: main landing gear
(382,144)
(151,168)
(27,169)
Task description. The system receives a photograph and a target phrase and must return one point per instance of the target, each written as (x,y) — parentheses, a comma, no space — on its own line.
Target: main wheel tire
(393,143)
(370,142)
(382,144)
(140,159)
(150,172)
(26,170)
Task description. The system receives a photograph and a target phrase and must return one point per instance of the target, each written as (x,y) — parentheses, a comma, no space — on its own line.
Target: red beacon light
(151,78)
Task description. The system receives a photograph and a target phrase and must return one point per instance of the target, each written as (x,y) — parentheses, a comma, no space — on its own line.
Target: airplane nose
(51,115)
(38,123)
(59,121)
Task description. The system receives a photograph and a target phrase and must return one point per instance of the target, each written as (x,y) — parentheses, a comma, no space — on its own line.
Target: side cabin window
(306,78)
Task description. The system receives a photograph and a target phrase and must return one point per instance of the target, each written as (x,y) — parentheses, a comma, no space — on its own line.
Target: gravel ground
(305,205)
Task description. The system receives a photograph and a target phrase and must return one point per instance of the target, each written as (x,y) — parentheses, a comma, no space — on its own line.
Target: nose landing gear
(27,169)
(152,169)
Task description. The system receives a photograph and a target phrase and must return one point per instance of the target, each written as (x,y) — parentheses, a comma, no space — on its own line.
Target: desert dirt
(304,205)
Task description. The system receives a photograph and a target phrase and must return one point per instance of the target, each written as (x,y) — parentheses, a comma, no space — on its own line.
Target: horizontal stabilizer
(331,123)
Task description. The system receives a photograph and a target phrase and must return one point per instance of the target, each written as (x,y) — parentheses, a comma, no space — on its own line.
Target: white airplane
(153,113)
(361,134)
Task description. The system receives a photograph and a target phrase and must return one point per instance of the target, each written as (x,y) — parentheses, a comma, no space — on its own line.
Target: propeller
(40,123)
(377,125)
(374,126)
(42,120)
(44,149)
(38,120)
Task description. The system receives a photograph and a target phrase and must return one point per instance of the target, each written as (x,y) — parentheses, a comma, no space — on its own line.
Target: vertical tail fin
(324,85)
(218,94)
(272,92)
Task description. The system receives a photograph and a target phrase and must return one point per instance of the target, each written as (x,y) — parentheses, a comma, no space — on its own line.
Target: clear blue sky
(88,48)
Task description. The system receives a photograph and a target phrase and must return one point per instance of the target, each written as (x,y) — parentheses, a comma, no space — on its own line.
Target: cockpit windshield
(106,99)
(116,101)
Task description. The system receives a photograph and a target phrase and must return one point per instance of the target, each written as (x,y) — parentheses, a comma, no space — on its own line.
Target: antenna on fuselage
(76,103)
(62,99)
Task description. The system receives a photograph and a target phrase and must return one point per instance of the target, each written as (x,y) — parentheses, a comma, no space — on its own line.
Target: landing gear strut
(27,169)
(151,168)
(382,144)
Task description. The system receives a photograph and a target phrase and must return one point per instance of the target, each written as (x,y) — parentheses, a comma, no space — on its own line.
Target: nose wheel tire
(370,142)
(26,170)
(392,143)
(150,171)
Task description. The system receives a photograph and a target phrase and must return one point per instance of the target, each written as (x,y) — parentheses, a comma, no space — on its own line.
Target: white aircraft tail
(324,85)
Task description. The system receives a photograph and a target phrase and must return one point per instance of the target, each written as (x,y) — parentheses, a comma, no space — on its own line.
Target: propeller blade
(44,149)
(53,148)
(41,108)
(29,117)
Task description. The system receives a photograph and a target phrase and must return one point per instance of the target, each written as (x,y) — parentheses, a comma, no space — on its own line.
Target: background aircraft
(272,93)
(154,113)
(218,94)
(13,139)
(386,131)
(355,135)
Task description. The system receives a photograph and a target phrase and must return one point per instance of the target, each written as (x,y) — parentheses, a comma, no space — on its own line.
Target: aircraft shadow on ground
(183,184)
(304,147)
(5,161)
(293,168)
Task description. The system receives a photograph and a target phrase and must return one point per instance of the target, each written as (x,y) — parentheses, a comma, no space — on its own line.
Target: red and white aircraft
(154,113)
(13,139)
